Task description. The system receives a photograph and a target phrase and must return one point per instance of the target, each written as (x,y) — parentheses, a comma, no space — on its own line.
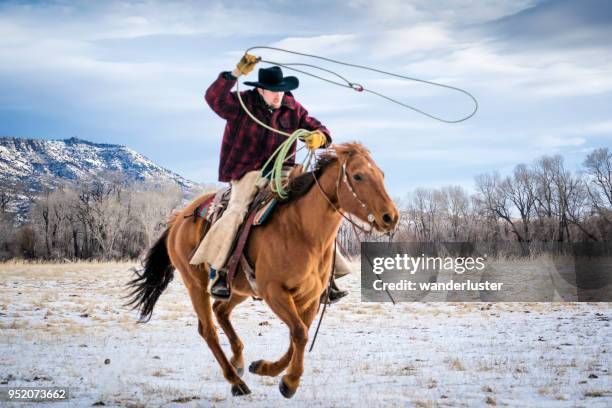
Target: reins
(342,176)
(329,281)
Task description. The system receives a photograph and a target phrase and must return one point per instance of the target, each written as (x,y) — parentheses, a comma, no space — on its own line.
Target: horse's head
(360,188)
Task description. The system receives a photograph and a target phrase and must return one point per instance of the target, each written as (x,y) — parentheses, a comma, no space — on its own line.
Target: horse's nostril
(387,218)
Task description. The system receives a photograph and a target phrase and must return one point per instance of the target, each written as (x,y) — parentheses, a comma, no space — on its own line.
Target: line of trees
(110,219)
(543,201)
(116,219)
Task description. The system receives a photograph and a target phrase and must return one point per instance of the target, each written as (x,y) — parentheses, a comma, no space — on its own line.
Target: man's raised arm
(219,96)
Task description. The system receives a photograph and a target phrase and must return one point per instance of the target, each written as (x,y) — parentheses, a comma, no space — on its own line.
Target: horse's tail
(149,283)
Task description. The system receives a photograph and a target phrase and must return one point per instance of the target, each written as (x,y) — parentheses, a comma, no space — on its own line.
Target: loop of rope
(360,88)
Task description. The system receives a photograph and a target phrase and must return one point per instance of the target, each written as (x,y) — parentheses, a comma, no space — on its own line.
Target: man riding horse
(245,149)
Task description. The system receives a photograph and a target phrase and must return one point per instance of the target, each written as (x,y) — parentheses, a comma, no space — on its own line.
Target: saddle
(260,210)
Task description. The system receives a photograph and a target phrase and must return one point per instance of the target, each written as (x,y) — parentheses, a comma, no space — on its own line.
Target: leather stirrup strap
(232,264)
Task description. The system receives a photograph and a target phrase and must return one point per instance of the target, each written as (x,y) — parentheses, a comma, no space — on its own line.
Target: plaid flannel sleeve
(220,98)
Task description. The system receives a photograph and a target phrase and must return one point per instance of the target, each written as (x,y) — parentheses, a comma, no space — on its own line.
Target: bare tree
(544,196)
(520,190)
(562,188)
(5,199)
(456,211)
(578,206)
(598,165)
(152,205)
(424,208)
(495,197)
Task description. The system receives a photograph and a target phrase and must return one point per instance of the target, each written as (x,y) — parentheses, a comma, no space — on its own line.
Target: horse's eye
(357,177)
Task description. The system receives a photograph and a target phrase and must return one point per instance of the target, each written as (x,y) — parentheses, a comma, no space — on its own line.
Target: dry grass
(456,365)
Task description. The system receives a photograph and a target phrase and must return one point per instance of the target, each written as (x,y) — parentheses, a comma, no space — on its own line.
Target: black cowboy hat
(272,79)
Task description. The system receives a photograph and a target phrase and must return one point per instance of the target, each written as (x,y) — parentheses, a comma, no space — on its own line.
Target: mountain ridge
(29,165)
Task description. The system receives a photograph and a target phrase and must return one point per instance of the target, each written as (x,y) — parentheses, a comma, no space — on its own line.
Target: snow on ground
(59,323)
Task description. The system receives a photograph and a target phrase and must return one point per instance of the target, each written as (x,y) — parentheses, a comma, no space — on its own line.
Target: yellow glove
(247,63)
(315,139)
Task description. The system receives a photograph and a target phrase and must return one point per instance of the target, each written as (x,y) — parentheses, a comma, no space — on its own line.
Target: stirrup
(334,295)
(218,286)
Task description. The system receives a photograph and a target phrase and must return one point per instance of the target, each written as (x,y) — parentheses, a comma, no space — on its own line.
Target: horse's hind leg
(206,327)
(222,311)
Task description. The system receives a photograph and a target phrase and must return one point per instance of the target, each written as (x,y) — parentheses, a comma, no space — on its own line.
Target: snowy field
(64,325)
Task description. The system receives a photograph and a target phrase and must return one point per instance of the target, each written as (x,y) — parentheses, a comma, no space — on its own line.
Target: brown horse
(292,256)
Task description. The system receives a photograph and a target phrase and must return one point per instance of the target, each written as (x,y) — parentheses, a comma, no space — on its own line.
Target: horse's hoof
(240,389)
(285,390)
(255,366)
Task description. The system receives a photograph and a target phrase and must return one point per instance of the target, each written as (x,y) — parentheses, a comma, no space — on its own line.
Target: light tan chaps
(215,247)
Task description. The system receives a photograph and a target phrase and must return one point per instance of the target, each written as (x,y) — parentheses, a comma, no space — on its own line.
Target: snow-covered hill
(32,165)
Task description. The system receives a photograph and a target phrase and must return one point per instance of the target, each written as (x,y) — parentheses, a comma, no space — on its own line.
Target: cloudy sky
(134,73)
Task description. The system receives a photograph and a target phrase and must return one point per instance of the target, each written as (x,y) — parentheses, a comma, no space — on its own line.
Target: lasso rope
(281,154)
(359,88)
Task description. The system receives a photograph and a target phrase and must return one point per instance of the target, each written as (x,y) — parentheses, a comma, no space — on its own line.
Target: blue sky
(134,73)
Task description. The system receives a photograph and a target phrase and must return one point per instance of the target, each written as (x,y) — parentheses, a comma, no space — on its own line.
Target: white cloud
(416,38)
(598,128)
(115,20)
(565,78)
(542,73)
(581,131)
(455,11)
(488,157)
(380,126)
(555,142)
(323,44)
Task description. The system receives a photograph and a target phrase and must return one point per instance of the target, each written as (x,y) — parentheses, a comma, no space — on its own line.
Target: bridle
(343,178)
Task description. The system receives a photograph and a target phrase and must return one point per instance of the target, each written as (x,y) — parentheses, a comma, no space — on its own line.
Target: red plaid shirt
(247,146)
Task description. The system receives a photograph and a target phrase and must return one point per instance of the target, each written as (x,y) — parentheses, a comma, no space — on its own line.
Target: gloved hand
(247,63)
(315,139)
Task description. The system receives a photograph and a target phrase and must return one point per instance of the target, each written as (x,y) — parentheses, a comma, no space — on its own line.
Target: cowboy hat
(272,79)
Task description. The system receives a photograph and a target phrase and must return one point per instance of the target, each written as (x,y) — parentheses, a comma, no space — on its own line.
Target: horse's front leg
(283,305)
(222,312)
(272,368)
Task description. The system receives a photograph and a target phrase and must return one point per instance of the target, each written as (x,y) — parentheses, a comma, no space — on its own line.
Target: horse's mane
(301,184)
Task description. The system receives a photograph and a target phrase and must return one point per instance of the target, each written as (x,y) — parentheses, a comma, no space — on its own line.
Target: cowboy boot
(335,294)
(218,286)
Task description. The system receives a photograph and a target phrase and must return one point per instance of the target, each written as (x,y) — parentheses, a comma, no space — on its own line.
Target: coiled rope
(281,154)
